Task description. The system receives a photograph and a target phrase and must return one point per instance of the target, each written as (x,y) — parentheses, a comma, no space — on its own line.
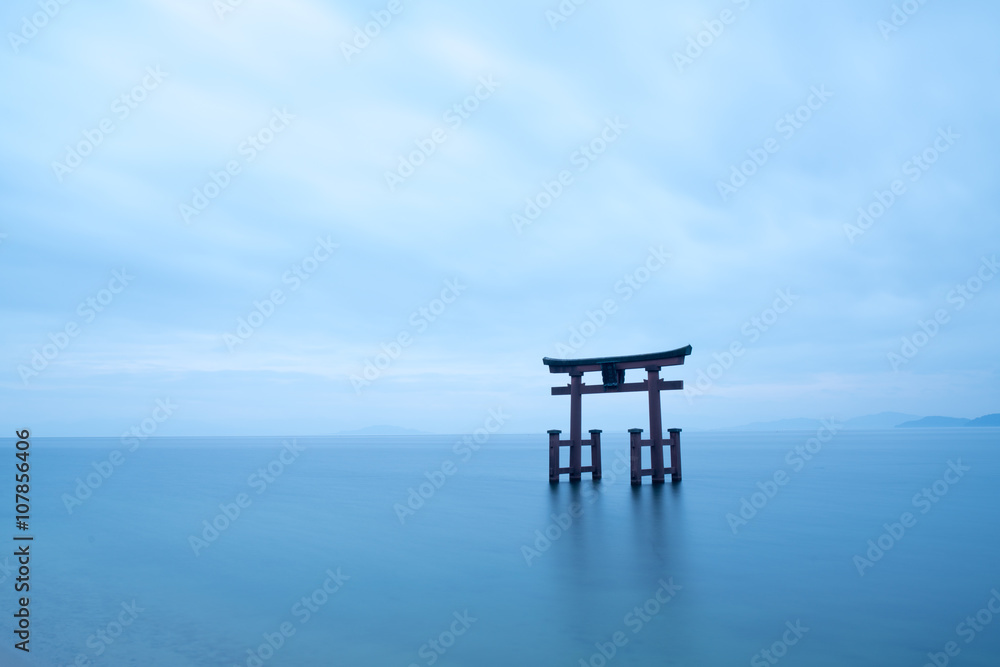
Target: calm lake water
(497,567)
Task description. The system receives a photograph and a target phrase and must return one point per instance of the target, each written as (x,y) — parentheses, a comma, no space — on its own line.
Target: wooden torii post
(613,381)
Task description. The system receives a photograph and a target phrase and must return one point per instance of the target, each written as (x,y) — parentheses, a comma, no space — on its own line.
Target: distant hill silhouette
(938,422)
(879,421)
(986,420)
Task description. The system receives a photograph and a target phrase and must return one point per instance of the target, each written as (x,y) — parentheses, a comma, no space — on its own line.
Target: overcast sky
(625,177)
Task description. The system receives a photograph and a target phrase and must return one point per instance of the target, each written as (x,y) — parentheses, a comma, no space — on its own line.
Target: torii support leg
(655,424)
(635,454)
(575,427)
(554,455)
(595,453)
(675,454)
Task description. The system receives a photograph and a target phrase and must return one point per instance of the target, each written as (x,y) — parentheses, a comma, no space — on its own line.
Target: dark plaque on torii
(613,381)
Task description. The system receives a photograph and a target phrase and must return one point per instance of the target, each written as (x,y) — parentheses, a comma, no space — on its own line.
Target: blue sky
(615,123)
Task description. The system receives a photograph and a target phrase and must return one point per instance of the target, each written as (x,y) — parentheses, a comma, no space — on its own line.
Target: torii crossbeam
(613,381)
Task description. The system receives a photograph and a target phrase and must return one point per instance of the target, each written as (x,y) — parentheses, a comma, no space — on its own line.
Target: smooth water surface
(498,567)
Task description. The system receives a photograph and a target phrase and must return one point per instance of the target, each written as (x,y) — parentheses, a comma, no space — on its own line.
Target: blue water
(471,552)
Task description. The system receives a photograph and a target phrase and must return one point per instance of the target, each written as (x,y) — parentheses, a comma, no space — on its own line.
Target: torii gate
(613,376)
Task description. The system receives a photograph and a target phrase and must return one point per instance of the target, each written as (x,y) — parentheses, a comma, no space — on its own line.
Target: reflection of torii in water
(613,376)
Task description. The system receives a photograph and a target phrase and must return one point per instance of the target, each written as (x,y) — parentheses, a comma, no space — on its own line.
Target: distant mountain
(881,420)
(986,420)
(383,429)
(938,422)
(935,422)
